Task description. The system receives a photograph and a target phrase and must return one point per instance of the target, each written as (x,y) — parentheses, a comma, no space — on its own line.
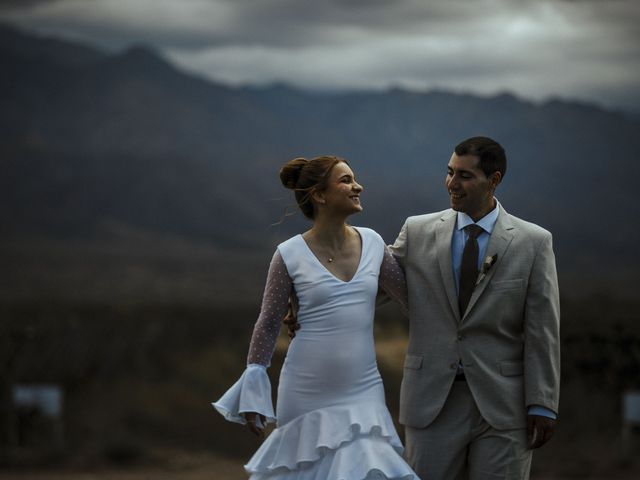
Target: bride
(332,421)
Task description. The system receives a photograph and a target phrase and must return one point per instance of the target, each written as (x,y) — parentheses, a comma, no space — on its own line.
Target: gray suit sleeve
(399,247)
(398,250)
(392,280)
(542,330)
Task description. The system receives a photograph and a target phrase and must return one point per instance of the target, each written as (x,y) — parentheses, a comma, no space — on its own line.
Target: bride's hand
(252,423)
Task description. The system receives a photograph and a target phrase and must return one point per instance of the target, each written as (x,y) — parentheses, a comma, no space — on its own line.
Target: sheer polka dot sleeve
(252,391)
(392,280)
(275,303)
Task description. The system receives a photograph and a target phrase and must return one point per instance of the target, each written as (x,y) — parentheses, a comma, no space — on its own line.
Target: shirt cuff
(251,393)
(542,411)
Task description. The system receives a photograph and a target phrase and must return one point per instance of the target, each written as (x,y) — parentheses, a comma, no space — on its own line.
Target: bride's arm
(392,279)
(248,401)
(275,303)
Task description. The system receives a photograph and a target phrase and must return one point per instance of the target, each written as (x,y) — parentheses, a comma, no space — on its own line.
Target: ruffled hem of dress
(357,442)
(251,393)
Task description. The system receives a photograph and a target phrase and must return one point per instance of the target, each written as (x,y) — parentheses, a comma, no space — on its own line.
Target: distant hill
(90,140)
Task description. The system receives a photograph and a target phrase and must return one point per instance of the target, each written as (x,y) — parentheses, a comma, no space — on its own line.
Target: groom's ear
(495,178)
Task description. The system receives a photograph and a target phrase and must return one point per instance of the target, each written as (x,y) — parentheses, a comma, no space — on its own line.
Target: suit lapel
(498,245)
(444,232)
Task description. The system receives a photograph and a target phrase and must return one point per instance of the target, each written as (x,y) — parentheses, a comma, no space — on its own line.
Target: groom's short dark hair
(491,154)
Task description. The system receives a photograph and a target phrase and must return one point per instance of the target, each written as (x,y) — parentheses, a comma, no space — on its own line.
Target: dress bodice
(326,304)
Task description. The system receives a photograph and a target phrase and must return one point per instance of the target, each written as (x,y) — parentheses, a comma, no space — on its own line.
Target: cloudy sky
(579,49)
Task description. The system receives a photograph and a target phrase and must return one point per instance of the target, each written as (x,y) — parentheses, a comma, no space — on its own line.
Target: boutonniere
(486,266)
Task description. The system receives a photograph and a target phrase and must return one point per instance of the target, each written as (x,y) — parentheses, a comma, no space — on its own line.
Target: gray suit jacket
(508,340)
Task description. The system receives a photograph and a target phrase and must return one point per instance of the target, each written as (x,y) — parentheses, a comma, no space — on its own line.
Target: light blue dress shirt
(460,236)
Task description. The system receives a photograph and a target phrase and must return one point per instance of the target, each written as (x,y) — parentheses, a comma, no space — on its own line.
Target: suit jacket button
(460,336)
(453,365)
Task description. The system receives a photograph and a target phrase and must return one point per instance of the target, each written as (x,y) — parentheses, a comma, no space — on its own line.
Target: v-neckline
(317,260)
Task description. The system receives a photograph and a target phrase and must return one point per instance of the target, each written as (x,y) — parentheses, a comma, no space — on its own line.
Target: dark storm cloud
(296,23)
(588,49)
(202,23)
(21,4)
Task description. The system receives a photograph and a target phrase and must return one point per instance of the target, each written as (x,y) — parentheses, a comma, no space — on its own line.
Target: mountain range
(100,147)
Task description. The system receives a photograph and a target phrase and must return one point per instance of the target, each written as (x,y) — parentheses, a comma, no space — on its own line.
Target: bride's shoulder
(290,243)
(370,233)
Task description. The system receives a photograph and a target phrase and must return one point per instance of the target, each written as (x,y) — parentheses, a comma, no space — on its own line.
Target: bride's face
(342,194)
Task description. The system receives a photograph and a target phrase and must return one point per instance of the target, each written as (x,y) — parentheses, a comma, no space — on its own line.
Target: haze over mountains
(93,144)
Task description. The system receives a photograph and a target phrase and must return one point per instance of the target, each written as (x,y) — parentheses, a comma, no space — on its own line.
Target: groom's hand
(539,430)
(291,318)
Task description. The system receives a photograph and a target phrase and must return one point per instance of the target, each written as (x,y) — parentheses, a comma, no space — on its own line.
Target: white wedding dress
(332,421)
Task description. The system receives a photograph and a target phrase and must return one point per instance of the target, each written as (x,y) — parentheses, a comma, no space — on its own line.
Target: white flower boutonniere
(486,266)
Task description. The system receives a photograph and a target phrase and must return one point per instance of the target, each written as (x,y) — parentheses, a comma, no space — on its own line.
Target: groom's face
(470,190)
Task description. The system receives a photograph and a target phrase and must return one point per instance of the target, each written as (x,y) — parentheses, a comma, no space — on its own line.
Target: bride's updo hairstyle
(307,176)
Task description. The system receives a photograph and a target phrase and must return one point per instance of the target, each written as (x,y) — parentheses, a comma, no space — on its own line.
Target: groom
(481,376)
